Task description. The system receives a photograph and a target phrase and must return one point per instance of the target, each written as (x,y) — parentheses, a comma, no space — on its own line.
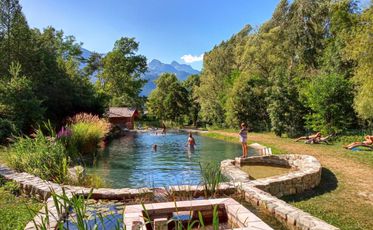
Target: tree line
(309,67)
(41,78)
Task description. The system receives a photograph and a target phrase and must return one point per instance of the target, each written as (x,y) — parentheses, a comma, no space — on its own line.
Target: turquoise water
(131,161)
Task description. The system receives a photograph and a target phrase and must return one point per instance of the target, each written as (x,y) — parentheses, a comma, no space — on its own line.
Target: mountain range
(155,68)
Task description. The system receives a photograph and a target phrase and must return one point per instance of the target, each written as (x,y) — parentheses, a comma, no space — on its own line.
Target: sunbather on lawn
(368,142)
(313,137)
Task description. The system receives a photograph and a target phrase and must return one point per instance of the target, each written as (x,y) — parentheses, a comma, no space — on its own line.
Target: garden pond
(131,161)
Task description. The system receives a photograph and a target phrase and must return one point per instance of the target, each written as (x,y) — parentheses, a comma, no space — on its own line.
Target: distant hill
(155,68)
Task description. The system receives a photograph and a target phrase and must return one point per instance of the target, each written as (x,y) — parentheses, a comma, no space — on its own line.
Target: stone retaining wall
(305,173)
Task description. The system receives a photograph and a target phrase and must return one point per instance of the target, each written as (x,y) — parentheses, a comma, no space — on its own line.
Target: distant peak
(155,61)
(174,63)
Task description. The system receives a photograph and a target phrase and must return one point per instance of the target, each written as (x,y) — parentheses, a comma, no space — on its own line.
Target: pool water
(262,171)
(131,161)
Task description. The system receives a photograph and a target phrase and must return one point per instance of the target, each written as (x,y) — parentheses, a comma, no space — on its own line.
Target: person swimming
(155,146)
(191,142)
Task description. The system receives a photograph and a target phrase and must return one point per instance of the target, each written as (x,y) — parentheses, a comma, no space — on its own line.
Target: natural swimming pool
(130,161)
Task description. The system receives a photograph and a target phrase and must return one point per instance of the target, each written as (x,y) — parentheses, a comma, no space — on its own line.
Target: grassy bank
(14,211)
(233,138)
(344,197)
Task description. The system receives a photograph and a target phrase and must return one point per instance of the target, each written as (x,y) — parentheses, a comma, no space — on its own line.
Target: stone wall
(305,173)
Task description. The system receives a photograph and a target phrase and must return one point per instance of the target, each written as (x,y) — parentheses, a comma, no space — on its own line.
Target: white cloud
(188,58)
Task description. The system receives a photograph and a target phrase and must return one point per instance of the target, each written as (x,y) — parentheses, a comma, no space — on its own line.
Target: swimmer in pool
(155,146)
(191,142)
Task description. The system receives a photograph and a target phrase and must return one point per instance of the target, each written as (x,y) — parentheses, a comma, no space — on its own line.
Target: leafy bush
(330,99)
(41,156)
(2,180)
(13,188)
(86,132)
(6,129)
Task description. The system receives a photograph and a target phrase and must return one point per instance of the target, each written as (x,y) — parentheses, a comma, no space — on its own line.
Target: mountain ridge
(155,68)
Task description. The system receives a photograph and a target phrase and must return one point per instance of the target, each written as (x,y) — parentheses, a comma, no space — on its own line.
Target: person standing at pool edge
(243,139)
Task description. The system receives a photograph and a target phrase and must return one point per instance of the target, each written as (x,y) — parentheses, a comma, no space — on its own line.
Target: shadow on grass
(328,183)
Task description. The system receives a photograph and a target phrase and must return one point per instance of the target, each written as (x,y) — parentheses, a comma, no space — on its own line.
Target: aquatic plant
(211,177)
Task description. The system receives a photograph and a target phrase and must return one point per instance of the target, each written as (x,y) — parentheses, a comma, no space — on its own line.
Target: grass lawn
(14,211)
(344,197)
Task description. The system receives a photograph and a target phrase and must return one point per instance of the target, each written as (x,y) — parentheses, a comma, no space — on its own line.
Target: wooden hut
(122,116)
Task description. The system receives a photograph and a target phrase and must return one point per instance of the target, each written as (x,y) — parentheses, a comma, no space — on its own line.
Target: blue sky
(166,29)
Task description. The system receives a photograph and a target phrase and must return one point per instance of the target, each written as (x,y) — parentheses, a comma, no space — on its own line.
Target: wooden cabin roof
(121,112)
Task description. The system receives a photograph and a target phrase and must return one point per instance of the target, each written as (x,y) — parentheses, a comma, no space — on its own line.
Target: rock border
(306,175)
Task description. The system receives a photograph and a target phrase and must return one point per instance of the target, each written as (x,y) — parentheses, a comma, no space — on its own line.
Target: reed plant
(87,131)
(65,203)
(211,177)
(40,155)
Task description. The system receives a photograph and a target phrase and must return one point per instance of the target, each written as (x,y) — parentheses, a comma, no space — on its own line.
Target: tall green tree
(19,106)
(15,36)
(216,78)
(330,99)
(360,50)
(120,75)
(169,100)
(191,84)
(246,103)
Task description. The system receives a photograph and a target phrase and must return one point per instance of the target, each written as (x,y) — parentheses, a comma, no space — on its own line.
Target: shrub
(6,129)
(41,156)
(330,99)
(2,180)
(86,132)
(13,188)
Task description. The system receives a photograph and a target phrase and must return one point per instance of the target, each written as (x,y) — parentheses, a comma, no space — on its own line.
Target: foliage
(87,131)
(6,129)
(211,177)
(302,40)
(41,156)
(330,99)
(119,73)
(360,49)
(39,73)
(19,106)
(12,187)
(169,100)
(15,210)
(246,103)
(191,84)
(284,107)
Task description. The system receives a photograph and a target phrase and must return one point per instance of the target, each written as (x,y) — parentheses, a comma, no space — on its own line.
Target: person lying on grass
(368,142)
(313,137)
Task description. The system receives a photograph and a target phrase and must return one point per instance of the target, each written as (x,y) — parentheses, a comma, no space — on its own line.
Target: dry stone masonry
(305,174)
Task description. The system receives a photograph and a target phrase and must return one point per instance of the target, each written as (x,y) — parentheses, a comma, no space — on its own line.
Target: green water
(131,161)
(262,171)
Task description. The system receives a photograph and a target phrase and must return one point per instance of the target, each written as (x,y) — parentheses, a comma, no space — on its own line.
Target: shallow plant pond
(131,160)
(262,171)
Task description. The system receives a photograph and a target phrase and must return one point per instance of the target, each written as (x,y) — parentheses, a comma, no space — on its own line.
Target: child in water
(191,142)
(243,139)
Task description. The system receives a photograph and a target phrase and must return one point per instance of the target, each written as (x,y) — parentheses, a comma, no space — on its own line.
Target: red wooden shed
(122,116)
